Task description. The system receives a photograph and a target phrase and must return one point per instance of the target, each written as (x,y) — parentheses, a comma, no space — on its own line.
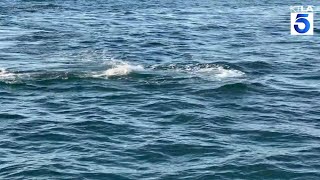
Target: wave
(12,116)
(234,87)
(117,68)
(230,88)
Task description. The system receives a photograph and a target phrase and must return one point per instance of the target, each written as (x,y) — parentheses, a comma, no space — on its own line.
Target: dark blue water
(157,90)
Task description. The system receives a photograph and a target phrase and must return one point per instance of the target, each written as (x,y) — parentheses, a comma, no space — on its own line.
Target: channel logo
(301,20)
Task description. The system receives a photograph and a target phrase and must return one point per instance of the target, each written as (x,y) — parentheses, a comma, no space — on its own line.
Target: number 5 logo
(302,24)
(301,18)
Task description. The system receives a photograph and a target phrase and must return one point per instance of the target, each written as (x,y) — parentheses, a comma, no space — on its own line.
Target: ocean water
(155,89)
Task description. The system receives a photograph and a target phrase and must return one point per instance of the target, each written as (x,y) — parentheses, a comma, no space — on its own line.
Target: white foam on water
(8,77)
(205,71)
(119,68)
(5,75)
(220,72)
(123,69)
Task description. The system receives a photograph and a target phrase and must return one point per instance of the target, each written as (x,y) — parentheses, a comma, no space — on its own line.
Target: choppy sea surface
(166,89)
